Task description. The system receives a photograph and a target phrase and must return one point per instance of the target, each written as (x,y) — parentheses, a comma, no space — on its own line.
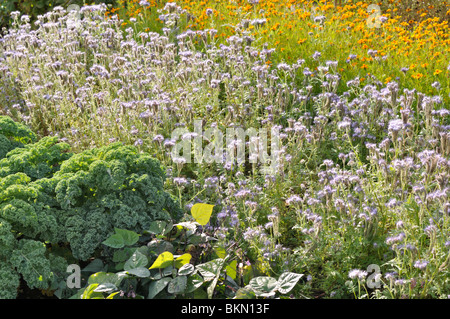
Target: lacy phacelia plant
(61,198)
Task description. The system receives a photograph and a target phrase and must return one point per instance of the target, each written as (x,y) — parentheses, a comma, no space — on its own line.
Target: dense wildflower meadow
(226,149)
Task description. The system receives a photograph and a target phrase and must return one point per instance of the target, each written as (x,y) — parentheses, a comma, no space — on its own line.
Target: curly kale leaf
(9,281)
(37,160)
(5,146)
(16,131)
(31,219)
(13,179)
(85,230)
(115,176)
(7,239)
(21,215)
(13,135)
(29,259)
(113,186)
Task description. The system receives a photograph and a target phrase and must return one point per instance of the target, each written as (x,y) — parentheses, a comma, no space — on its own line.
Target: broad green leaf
(111,296)
(264,286)
(137,260)
(200,294)
(106,287)
(141,272)
(159,246)
(123,254)
(95,266)
(202,213)
(261,266)
(165,259)
(211,272)
(245,293)
(157,286)
(198,239)
(231,269)
(194,281)
(115,241)
(158,273)
(90,293)
(248,273)
(159,227)
(211,287)
(103,278)
(190,226)
(210,269)
(119,266)
(177,285)
(287,281)
(144,250)
(220,251)
(182,260)
(186,269)
(129,237)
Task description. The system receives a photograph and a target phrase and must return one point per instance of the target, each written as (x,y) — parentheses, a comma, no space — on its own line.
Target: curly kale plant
(13,135)
(104,188)
(50,197)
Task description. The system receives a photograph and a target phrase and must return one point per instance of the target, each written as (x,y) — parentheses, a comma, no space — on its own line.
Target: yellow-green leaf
(202,213)
(220,252)
(231,269)
(182,260)
(111,296)
(164,260)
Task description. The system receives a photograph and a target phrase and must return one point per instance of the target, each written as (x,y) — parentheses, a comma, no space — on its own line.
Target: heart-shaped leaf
(210,269)
(164,260)
(159,227)
(103,278)
(106,287)
(220,251)
(186,269)
(137,260)
(202,213)
(182,260)
(245,293)
(141,272)
(194,281)
(264,286)
(129,237)
(90,293)
(114,241)
(287,281)
(159,246)
(157,286)
(231,269)
(177,285)
(94,266)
